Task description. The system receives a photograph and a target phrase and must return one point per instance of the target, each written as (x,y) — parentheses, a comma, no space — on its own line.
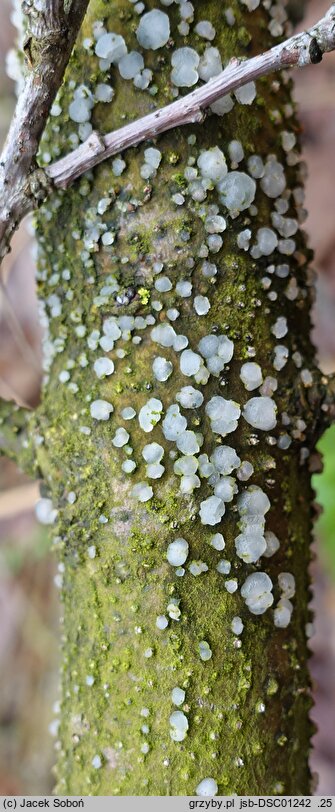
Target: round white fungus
(162,368)
(224,567)
(206,468)
(210,65)
(190,398)
(162,622)
(231,586)
(118,165)
(150,414)
(253,502)
(246,94)
(243,239)
(101,409)
(120,438)
(281,354)
(185,466)
(267,241)
(282,613)
(153,452)
(245,471)
(286,583)
(261,413)
(212,164)
(184,288)
(155,471)
(207,788)
(205,651)
(237,191)
(142,492)
(236,151)
(154,30)
(211,510)
(128,466)
(205,29)
(111,47)
(179,726)
(250,547)
(45,512)
(208,346)
(225,459)
(272,544)
(222,106)
(163,334)
(128,413)
(177,696)
(256,592)
(91,552)
(223,414)
(251,4)
(273,181)
(103,93)
(251,375)
(226,488)
(215,365)
(180,342)
(217,541)
(103,367)
(184,63)
(190,362)
(174,423)
(198,567)
(215,224)
(201,305)
(256,166)
(269,386)
(79,111)
(177,552)
(131,64)
(280,328)
(237,625)
(111,329)
(153,157)
(187,443)
(172,313)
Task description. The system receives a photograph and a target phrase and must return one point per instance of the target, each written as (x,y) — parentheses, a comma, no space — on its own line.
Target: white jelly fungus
(207,788)
(177,552)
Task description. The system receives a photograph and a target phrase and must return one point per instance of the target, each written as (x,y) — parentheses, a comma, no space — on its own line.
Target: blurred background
(28,600)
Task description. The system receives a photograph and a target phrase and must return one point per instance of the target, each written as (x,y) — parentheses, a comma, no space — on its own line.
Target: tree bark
(248,705)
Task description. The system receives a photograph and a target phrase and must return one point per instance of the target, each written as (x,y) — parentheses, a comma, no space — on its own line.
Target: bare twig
(302,49)
(22,187)
(47,49)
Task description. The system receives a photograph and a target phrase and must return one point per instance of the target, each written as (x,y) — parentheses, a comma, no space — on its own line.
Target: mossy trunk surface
(248,705)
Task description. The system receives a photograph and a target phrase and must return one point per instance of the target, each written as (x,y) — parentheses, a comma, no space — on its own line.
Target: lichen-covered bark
(247,705)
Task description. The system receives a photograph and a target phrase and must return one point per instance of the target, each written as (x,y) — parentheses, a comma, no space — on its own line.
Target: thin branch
(47,49)
(302,49)
(22,186)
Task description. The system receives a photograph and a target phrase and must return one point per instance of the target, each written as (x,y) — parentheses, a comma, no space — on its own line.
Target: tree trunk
(247,693)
